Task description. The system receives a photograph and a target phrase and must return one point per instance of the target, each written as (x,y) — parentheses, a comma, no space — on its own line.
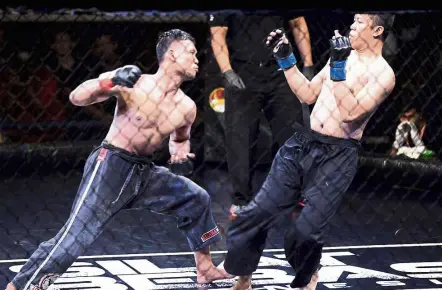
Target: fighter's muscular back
(146,115)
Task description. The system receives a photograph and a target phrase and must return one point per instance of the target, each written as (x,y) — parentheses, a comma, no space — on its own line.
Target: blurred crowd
(41,63)
(35,86)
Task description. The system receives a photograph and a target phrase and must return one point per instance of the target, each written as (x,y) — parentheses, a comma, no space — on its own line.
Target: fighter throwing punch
(321,158)
(120,173)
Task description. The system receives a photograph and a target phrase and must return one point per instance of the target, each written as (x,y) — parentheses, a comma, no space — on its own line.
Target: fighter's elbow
(77,100)
(347,117)
(73,99)
(350,118)
(309,100)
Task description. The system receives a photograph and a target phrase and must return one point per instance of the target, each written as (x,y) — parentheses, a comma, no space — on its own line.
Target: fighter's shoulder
(146,82)
(189,105)
(187,101)
(384,68)
(146,79)
(383,75)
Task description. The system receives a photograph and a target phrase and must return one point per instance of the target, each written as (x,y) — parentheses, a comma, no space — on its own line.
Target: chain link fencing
(45,140)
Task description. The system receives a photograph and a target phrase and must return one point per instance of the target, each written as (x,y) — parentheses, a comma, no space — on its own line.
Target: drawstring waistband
(139,161)
(128,155)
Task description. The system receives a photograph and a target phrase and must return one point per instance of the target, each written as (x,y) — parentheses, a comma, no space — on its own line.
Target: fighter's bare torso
(146,115)
(325,117)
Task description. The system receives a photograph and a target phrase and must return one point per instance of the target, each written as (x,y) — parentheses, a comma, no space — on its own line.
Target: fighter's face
(185,58)
(362,31)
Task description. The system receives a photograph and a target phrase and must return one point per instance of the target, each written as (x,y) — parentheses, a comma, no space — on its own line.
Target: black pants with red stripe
(114,180)
(318,166)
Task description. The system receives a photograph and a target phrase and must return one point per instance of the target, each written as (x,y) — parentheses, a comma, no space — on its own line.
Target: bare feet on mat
(212,274)
(243,283)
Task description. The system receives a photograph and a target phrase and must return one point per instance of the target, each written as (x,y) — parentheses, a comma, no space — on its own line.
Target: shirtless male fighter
(321,158)
(120,174)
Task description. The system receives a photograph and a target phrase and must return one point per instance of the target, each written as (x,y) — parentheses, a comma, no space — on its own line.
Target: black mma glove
(126,76)
(281,48)
(232,80)
(183,168)
(340,48)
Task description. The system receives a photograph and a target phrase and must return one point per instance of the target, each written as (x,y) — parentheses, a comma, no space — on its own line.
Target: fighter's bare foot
(11,287)
(243,283)
(313,283)
(212,274)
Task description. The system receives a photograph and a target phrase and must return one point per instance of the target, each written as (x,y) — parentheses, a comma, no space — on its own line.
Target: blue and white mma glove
(281,48)
(340,48)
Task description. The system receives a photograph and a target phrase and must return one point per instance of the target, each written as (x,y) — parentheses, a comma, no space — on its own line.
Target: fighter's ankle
(315,275)
(11,286)
(245,279)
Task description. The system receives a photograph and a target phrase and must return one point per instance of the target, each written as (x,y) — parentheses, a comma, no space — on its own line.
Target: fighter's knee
(305,233)
(202,197)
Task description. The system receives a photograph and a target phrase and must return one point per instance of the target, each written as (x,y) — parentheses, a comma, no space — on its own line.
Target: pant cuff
(17,285)
(215,239)
(238,269)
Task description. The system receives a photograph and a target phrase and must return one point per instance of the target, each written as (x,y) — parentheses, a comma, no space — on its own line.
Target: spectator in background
(51,87)
(11,54)
(105,53)
(62,71)
(408,138)
(104,57)
(16,105)
(4,80)
(5,51)
(254,83)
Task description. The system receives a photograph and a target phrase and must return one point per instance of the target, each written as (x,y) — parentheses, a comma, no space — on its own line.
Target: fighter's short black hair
(384,20)
(167,37)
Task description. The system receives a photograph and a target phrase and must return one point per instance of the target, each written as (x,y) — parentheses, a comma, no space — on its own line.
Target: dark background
(389,202)
(416,60)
